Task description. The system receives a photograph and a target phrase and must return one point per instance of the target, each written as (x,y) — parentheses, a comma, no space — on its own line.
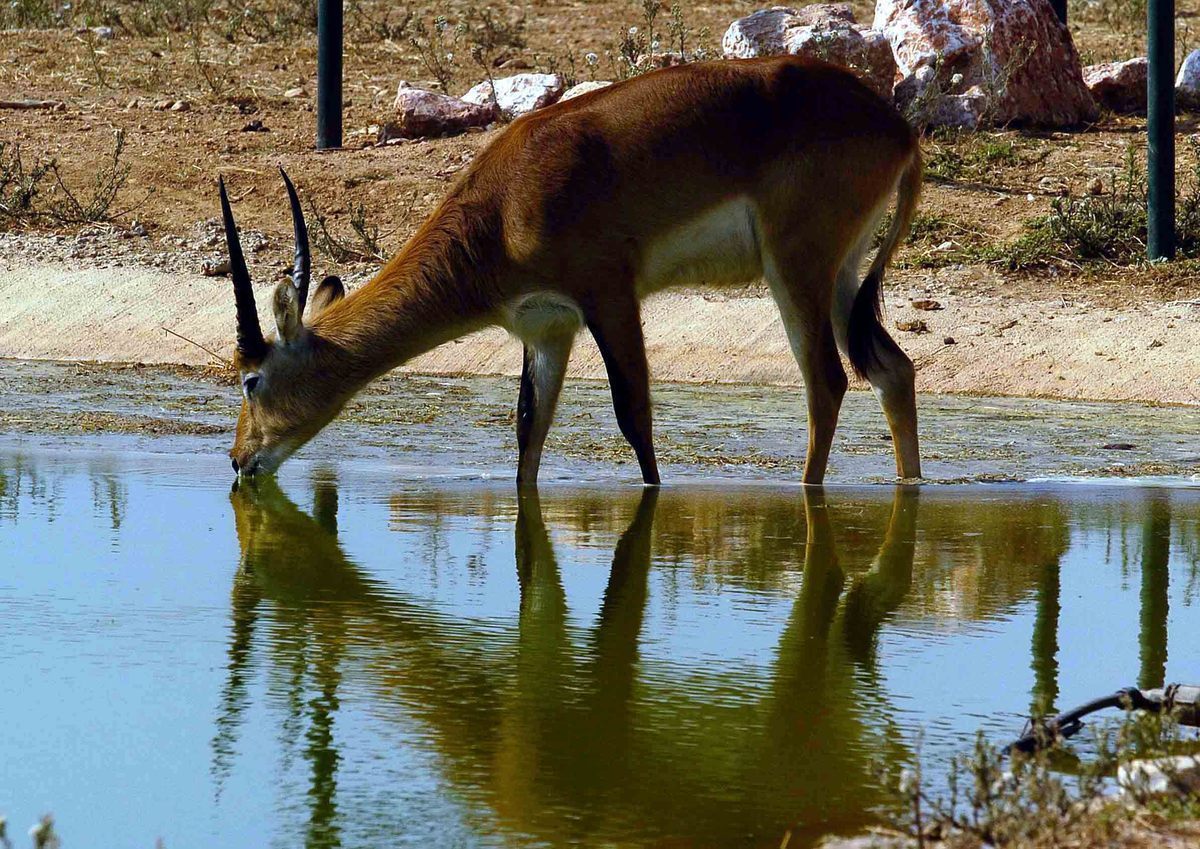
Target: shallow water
(363,655)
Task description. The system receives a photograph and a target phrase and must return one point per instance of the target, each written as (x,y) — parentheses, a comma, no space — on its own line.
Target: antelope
(712,174)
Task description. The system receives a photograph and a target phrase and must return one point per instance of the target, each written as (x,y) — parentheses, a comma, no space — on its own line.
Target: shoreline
(1006,345)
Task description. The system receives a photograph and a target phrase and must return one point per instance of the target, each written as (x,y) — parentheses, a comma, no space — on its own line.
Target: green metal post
(1160,127)
(329,74)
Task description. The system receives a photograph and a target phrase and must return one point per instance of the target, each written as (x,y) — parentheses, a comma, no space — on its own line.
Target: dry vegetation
(185,88)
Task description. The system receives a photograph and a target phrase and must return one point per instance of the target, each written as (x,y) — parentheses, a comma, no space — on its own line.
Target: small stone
(181,106)
(421,113)
(949,340)
(255,126)
(1096,187)
(914,326)
(163,105)
(927,304)
(584,88)
(1120,86)
(293,93)
(1119,446)
(1156,343)
(215,268)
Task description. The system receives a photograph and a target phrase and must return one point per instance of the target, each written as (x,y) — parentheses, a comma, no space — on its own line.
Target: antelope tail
(866,332)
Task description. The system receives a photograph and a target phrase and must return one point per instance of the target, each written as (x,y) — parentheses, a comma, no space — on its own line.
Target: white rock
(1187,84)
(1179,774)
(584,88)
(825,31)
(518,94)
(293,93)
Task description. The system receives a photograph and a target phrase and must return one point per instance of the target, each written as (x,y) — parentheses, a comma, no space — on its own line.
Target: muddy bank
(1060,347)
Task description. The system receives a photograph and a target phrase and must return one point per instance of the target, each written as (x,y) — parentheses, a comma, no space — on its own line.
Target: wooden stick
(208,351)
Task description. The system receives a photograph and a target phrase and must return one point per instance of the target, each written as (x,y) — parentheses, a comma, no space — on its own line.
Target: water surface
(361,656)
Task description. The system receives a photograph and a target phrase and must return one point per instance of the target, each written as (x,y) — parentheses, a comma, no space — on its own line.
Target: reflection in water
(704,666)
(562,739)
(1156,551)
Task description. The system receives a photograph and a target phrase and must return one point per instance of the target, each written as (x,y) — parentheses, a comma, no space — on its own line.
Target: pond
(391,646)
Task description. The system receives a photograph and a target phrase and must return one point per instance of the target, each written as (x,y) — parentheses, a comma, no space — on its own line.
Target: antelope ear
(328,293)
(287,311)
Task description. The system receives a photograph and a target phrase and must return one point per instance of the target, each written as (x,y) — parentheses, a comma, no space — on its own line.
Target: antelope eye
(250,383)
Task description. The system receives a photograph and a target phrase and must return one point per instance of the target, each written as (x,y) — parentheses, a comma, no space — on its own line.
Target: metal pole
(1160,126)
(1060,9)
(329,74)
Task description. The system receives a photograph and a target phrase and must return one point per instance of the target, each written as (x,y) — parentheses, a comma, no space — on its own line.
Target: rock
(215,268)
(1119,446)
(949,340)
(867,841)
(1179,775)
(423,114)
(293,93)
(824,31)
(927,304)
(181,106)
(914,326)
(1187,84)
(995,61)
(584,88)
(256,126)
(1119,86)
(518,94)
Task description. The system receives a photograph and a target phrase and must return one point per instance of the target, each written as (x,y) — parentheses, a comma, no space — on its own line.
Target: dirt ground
(1065,329)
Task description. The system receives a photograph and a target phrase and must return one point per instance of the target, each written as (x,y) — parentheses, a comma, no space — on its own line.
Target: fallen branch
(52,105)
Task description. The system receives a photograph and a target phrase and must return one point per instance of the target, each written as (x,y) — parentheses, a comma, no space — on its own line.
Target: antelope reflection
(559,733)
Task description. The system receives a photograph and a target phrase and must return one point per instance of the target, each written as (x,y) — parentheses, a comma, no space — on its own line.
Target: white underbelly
(718,248)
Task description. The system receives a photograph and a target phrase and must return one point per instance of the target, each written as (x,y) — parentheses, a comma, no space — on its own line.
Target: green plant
(1119,15)
(71,207)
(435,49)
(1046,800)
(366,244)
(955,154)
(20,184)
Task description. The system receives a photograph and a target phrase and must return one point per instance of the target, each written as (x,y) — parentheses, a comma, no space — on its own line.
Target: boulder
(584,88)
(424,114)
(824,31)
(1015,52)
(518,94)
(1187,84)
(1178,775)
(1119,86)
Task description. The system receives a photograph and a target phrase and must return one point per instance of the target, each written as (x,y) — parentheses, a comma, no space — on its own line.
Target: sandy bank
(1054,348)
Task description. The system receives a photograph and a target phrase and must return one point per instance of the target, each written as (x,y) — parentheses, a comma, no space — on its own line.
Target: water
(363,655)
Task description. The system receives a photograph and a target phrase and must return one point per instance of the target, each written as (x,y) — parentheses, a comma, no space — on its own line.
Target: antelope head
(290,389)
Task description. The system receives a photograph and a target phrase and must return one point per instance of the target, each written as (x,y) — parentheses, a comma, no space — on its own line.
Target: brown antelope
(713,174)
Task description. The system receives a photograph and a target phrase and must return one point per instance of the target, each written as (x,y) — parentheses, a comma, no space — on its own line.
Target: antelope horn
(302,269)
(249,334)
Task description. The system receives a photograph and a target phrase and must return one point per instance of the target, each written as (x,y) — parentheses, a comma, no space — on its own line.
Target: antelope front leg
(542,375)
(617,329)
